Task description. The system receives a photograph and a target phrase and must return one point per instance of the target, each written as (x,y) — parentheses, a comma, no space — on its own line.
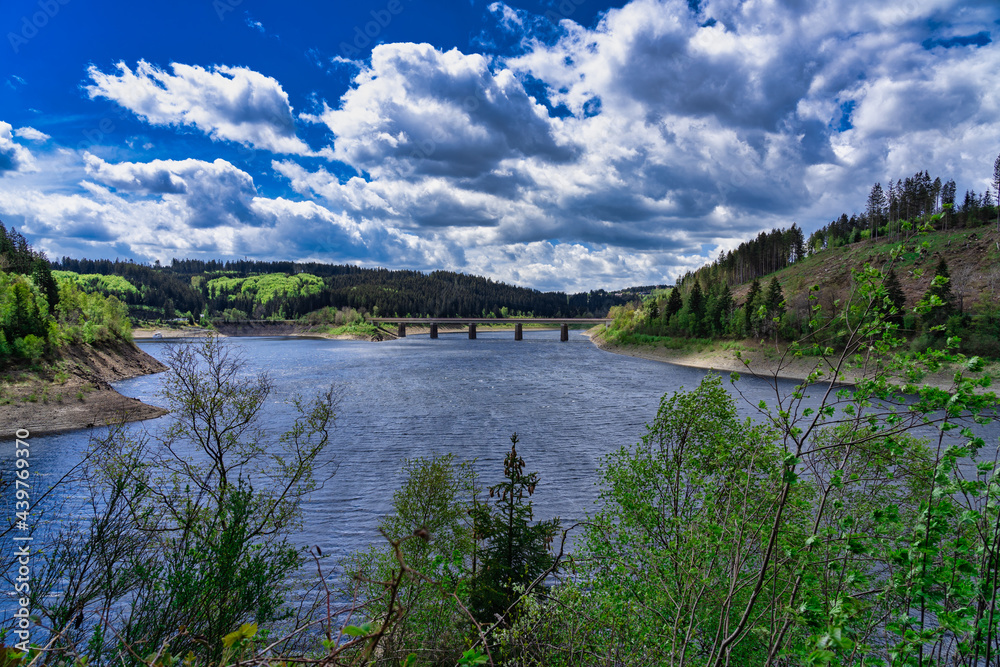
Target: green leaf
(354,631)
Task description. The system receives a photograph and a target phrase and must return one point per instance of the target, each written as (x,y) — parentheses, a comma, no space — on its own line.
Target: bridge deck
(471,322)
(492,320)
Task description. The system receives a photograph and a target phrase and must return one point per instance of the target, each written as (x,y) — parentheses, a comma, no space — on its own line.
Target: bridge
(471,322)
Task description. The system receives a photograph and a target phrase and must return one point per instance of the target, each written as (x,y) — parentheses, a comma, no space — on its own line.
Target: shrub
(29,347)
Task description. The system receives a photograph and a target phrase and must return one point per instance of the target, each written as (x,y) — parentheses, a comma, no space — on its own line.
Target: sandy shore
(192,332)
(76,392)
(764,361)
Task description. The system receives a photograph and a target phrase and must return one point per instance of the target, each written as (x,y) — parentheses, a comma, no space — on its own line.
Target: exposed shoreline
(763,362)
(76,392)
(716,360)
(147,333)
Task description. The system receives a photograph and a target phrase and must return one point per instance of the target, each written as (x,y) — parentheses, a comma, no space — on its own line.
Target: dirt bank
(183,332)
(764,361)
(74,391)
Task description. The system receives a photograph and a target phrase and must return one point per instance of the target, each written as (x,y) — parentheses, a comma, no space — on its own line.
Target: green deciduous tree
(436,500)
(824,534)
(189,534)
(682,510)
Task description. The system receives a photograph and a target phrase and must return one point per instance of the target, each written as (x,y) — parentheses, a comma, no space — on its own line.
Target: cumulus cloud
(570,157)
(13,156)
(180,208)
(226,103)
(682,129)
(418,111)
(31,134)
(206,194)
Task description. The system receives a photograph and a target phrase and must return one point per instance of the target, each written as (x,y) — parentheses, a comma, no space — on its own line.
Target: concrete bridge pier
(472,332)
(518,331)
(401,330)
(564,332)
(434,331)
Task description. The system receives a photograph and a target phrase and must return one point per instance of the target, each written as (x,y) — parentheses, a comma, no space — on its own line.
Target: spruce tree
(516,550)
(775,299)
(897,299)
(696,309)
(748,308)
(722,306)
(674,303)
(937,314)
(41,275)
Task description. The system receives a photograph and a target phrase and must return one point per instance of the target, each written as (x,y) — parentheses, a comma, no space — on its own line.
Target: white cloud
(13,156)
(31,134)
(184,208)
(207,194)
(418,111)
(624,153)
(226,103)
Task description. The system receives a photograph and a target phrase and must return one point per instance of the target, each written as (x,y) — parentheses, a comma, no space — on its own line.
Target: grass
(620,337)
(353,329)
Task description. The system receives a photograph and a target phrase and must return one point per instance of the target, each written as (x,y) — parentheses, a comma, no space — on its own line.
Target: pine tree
(948,200)
(41,275)
(775,299)
(876,208)
(674,303)
(939,313)
(749,306)
(515,551)
(722,306)
(897,299)
(696,309)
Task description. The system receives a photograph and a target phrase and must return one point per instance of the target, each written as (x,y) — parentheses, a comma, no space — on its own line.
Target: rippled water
(569,402)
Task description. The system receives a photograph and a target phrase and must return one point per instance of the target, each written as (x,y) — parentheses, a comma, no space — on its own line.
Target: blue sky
(569,144)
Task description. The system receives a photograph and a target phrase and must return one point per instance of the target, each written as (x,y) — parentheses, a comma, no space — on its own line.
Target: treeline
(887,209)
(244,289)
(704,312)
(885,214)
(39,313)
(769,252)
(697,310)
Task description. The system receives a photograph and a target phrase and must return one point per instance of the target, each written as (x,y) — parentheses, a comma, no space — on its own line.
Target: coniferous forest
(244,289)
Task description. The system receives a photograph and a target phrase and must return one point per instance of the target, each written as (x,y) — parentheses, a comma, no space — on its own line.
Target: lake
(569,402)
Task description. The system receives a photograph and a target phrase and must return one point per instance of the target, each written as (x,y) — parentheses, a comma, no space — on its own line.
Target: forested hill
(912,231)
(885,214)
(40,314)
(246,289)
